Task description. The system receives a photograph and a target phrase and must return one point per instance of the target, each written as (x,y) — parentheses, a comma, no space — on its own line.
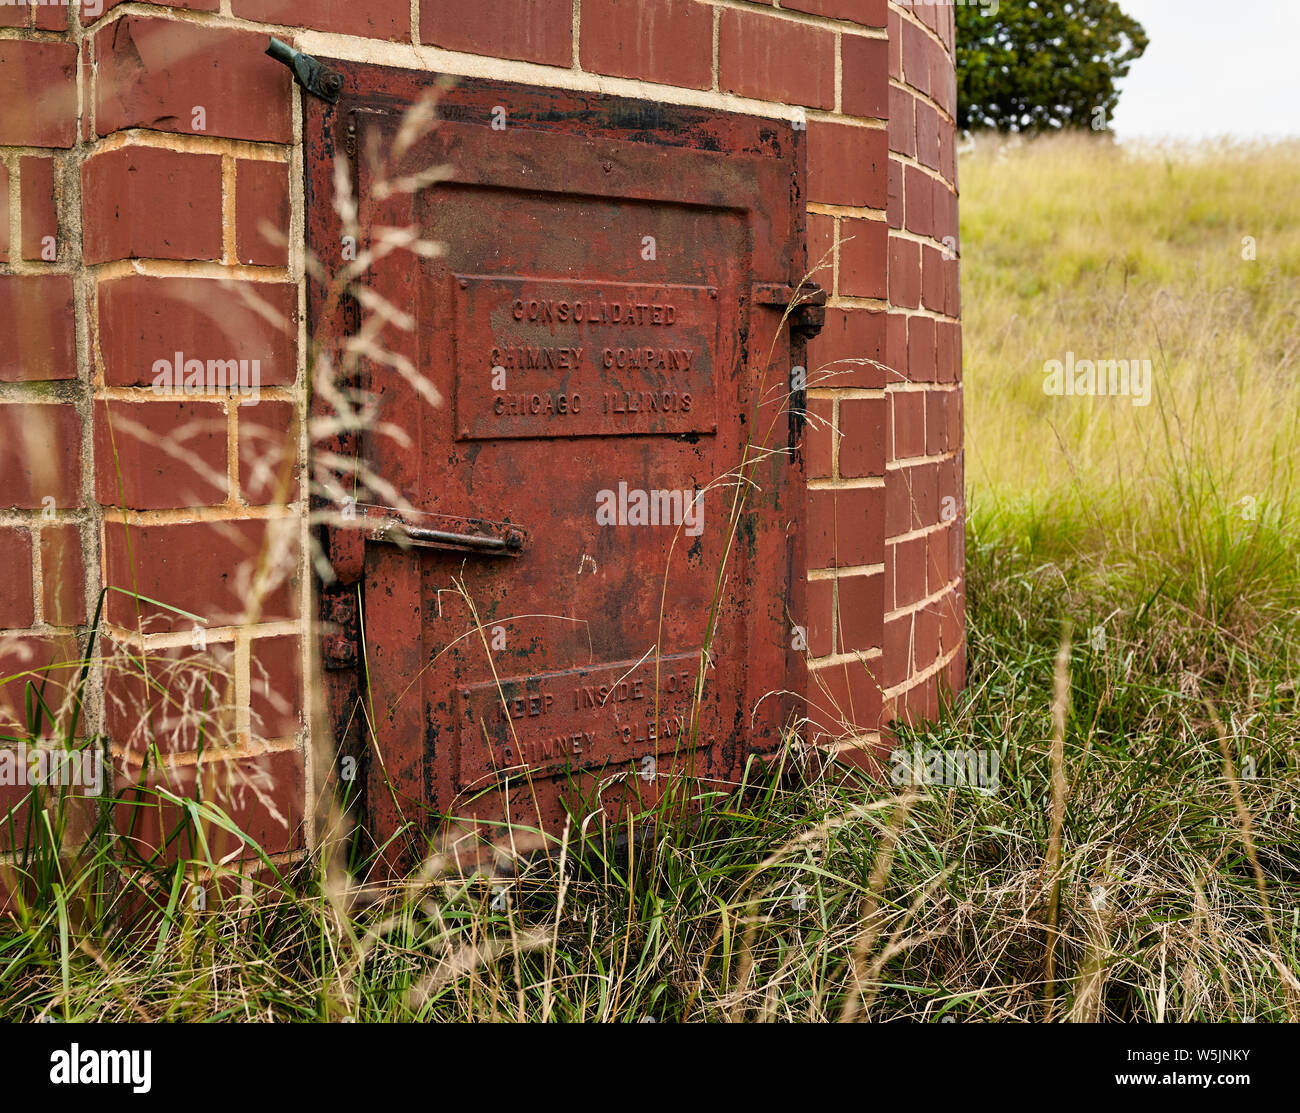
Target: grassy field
(1134,593)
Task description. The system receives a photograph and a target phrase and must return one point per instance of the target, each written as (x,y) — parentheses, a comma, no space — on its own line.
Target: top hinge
(312,75)
(806,304)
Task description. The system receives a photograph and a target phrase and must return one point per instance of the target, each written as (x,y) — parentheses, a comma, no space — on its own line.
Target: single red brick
(262,794)
(894,212)
(861,614)
(920,201)
(916,57)
(820,596)
(14,14)
(268,439)
(911,498)
(150,203)
(143,320)
(921,350)
(17,608)
(53,17)
(821,248)
(206,568)
(847,165)
(904,273)
(158,455)
(952,620)
(865,76)
(953,414)
(937,565)
(936,422)
(943,206)
(927,136)
(849,350)
(952,287)
(907,413)
(262,213)
(862,443)
(39,341)
(864,258)
(4,211)
(40,223)
(895,45)
(63,575)
(944,354)
(776,59)
(170,699)
(932,278)
(376,19)
(925,640)
(867,13)
(845,527)
(666,41)
(38,93)
(275,692)
(909,559)
(532,30)
(947,150)
(40,455)
(897,646)
(820,438)
(169,75)
(896,347)
(919,703)
(902,121)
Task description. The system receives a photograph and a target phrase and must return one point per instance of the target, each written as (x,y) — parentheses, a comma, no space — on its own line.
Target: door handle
(423,537)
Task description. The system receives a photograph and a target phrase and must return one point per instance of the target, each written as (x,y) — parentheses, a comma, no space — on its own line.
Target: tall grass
(1132,626)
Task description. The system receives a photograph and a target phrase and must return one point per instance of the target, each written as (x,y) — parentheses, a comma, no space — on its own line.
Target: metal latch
(806,304)
(311,74)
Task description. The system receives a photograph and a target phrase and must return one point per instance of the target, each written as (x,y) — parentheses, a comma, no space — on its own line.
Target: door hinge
(806,304)
(318,79)
(341,630)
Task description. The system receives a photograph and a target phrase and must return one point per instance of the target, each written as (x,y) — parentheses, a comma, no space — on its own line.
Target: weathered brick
(40,455)
(268,438)
(820,598)
(206,568)
(39,341)
(865,76)
(861,613)
(143,320)
(156,455)
(40,215)
(776,59)
(150,203)
(666,41)
(38,93)
(847,165)
(904,273)
(262,213)
(907,422)
(375,19)
(63,575)
(170,699)
(17,608)
(820,437)
(168,75)
(867,13)
(531,30)
(922,350)
(864,258)
(862,442)
(4,211)
(275,687)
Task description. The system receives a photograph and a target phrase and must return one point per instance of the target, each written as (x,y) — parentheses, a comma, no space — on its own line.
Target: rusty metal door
(580,589)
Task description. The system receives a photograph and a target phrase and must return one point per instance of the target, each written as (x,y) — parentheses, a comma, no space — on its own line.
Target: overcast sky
(1214,67)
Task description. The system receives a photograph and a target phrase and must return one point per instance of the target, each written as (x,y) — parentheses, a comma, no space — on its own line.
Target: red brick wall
(142,155)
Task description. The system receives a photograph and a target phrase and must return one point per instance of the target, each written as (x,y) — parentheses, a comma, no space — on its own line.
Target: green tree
(1042,65)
